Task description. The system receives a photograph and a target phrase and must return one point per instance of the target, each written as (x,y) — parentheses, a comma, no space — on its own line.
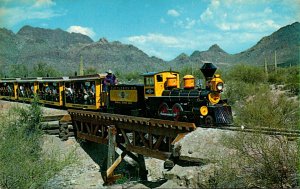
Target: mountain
(285,42)
(63,50)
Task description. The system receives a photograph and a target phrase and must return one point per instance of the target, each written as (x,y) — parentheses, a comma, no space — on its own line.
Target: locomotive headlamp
(204,110)
(220,86)
(217,83)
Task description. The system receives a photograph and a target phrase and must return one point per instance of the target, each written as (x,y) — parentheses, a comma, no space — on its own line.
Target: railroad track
(291,134)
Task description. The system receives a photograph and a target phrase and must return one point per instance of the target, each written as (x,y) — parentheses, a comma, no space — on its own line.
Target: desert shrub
(42,69)
(265,109)
(239,91)
(22,160)
(289,77)
(260,161)
(90,70)
(278,77)
(246,73)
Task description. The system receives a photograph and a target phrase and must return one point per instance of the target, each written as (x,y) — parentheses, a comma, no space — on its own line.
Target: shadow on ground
(98,153)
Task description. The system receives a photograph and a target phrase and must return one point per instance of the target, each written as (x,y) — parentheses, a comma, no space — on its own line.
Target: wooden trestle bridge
(145,136)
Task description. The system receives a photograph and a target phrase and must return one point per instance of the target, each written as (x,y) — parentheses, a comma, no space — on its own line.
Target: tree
(43,70)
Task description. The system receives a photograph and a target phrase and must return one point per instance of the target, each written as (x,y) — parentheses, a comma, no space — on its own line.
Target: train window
(49,91)
(149,81)
(80,92)
(159,78)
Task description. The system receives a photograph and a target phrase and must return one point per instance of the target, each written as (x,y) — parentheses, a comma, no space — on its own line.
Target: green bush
(260,161)
(22,161)
(246,73)
(289,77)
(265,109)
(239,91)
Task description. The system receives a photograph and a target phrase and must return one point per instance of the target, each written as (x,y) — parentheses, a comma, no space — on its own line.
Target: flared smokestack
(208,70)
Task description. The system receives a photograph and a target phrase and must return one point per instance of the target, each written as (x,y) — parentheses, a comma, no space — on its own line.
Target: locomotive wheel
(209,121)
(177,109)
(163,108)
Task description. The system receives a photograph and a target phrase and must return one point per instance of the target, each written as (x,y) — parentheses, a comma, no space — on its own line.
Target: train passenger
(110,79)
(9,90)
(22,92)
(85,96)
(93,87)
(69,94)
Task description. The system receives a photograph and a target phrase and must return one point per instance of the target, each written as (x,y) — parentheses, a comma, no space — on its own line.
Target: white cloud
(163,46)
(83,30)
(27,10)
(173,12)
(162,20)
(43,3)
(188,23)
(155,38)
(238,15)
(12,16)
(268,10)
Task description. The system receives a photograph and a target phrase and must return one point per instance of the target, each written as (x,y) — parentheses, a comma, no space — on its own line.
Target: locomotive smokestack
(208,70)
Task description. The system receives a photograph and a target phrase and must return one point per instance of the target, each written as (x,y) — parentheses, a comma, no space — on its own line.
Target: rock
(204,145)
(171,184)
(191,177)
(73,182)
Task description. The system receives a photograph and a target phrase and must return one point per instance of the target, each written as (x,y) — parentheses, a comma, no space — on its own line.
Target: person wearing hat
(110,79)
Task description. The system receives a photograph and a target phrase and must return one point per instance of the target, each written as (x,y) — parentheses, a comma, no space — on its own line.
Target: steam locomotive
(159,97)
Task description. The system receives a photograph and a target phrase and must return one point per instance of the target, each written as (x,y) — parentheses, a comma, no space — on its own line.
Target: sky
(161,28)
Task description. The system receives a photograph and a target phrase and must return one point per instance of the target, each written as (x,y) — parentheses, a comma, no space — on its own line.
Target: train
(160,96)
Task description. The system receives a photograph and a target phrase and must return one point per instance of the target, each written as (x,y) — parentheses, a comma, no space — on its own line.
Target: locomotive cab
(156,82)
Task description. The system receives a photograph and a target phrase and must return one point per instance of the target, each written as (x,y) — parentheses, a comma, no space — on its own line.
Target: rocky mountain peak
(182,58)
(52,37)
(216,48)
(103,40)
(5,31)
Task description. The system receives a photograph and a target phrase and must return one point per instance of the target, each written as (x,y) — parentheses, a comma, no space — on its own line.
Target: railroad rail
(289,133)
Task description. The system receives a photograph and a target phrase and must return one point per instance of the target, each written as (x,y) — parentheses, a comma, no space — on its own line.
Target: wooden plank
(110,170)
(158,142)
(143,140)
(53,117)
(179,137)
(125,137)
(147,152)
(92,138)
(111,147)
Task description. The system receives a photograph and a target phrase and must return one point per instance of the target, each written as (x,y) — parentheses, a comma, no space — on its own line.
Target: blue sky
(162,28)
